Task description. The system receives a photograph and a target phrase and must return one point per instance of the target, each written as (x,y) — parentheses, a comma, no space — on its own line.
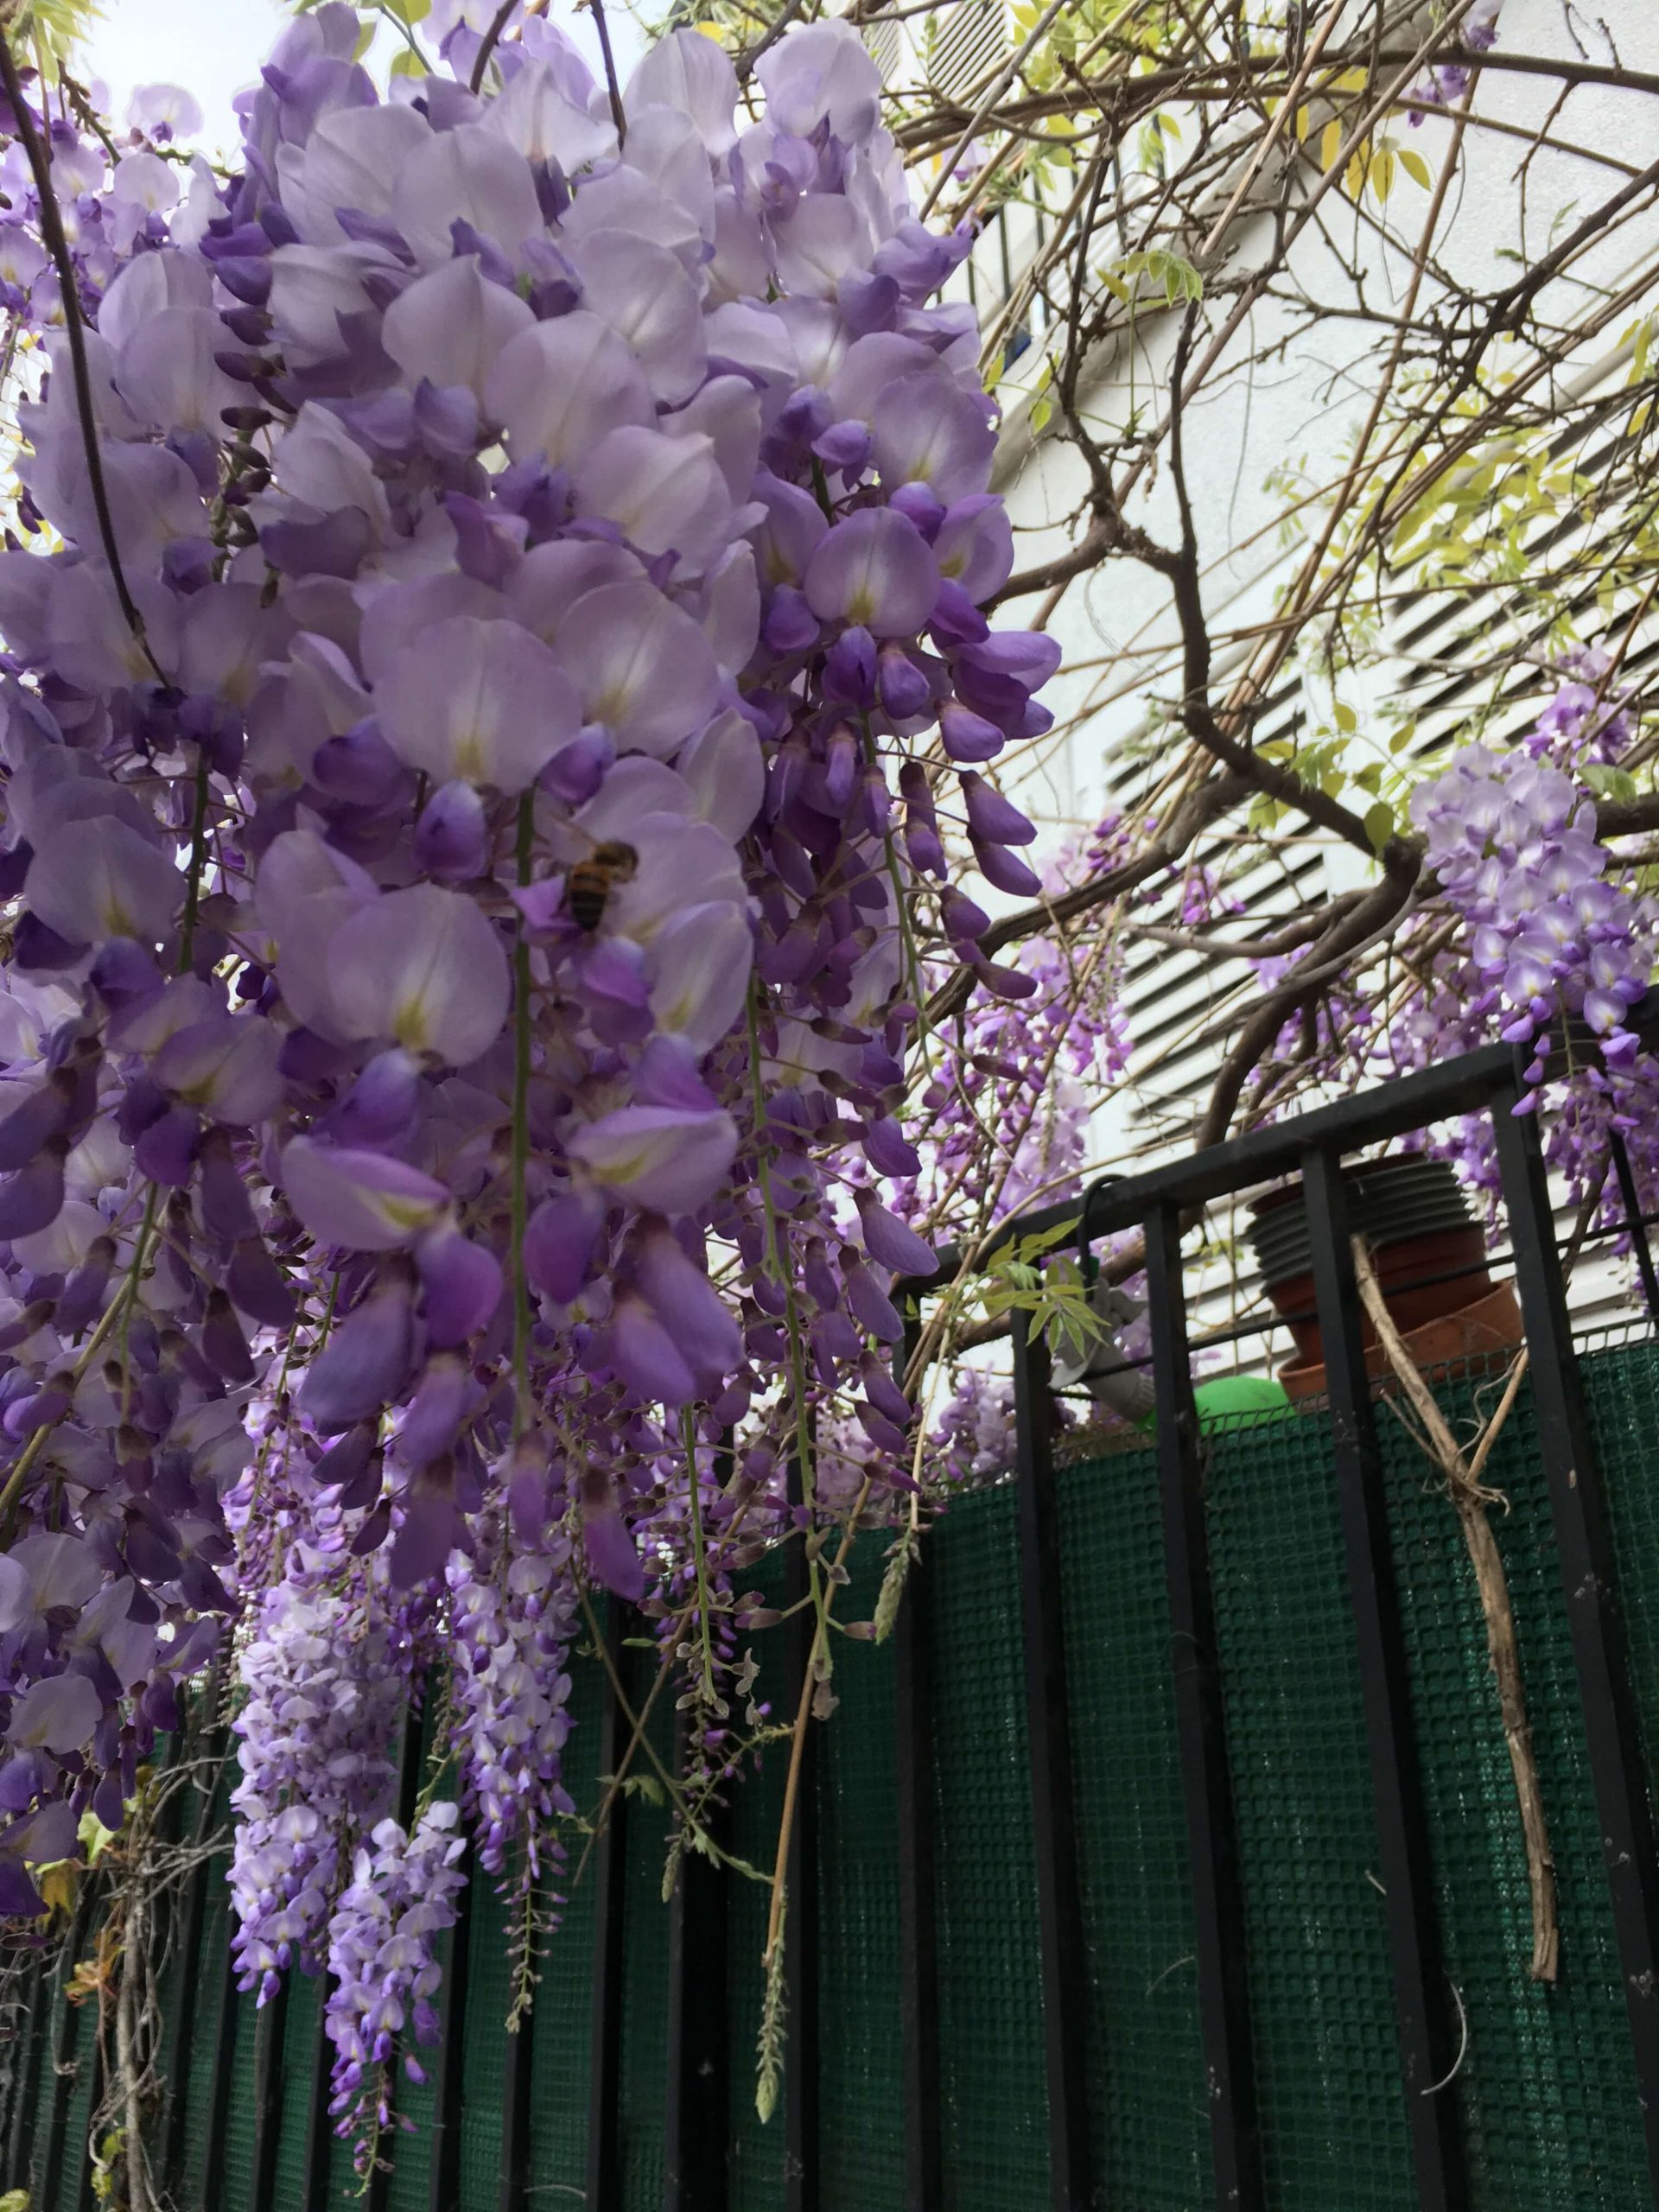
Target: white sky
(214,48)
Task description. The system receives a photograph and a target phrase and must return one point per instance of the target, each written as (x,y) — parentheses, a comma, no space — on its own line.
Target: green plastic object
(1227,1400)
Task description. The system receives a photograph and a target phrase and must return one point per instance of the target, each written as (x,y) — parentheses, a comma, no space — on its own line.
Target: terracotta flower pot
(1453,1343)
(1417,1218)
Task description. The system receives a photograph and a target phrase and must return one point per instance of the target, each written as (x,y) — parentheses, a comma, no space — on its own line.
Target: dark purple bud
(36,950)
(452,838)
(347,1462)
(365,1361)
(203,1591)
(917,503)
(889,1243)
(992,819)
(968,736)
(577,770)
(885,1435)
(429,1527)
(686,1304)
(844,445)
(381,1105)
(258,1285)
(904,688)
(647,1357)
(888,1150)
(1000,866)
(374,1531)
(964,920)
(612,1560)
(875,801)
(789,625)
(559,1241)
(840,764)
(226,1210)
(223,1344)
(460,1284)
(360,769)
(166,1151)
(881,1390)
(850,669)
(32,1198)
(1004,982)
(445,1396)
(871,1306)
(25,1129)
(819,1276)
(125,973)
(955,620)
(82,1300)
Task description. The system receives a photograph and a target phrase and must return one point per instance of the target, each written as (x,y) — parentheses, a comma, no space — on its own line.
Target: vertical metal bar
(319,2131)
(63,2053)
(1201,1724)
(218,2099)
(918,1933)
(26,2095)
(801,1881)
(210,1746)
(85,2201)
(695,2112)
(605,2056)
(1426,2048)
(1641,1250)
(448,2088)
(1059,1896)
(270,2027)
(1584,1546)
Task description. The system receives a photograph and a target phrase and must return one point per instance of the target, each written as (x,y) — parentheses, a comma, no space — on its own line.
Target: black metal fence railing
(1157,1204)
(1073,1884)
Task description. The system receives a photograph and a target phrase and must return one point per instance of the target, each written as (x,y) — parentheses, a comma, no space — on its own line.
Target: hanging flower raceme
(478,747)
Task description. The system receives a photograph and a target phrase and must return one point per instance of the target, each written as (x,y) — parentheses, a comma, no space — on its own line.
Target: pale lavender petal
(640,666)
(558,389)
(451,326)
(359,1201)
(425,968)
(484,702)
(56,1715)
(654,1158)
(875,569)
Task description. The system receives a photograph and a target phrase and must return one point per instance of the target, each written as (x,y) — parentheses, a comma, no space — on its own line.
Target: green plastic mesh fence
(996,2107)
(861,2037)
(1544,2081)
(1150,2123)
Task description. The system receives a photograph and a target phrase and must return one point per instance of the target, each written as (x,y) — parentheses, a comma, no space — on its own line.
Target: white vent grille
(971,40)
(886,42)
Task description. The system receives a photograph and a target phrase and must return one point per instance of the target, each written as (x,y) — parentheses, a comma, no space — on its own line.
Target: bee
(590,882)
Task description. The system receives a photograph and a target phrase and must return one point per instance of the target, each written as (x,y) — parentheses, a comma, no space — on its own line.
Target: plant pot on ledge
(1430,1254)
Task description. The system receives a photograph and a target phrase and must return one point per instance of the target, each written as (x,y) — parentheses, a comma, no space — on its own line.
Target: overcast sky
(215,47)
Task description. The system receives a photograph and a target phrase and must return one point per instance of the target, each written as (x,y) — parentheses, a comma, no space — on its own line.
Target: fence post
(801,1889)
(270,2027)
(694,2116)
(19,2133)
(1201,1722)
(227,2024)
(918,1950)
(63,2052)
(1059,1900)
(1407,1876)
(448,2088)
(212,1743)
(605,2045)
(1584,1547)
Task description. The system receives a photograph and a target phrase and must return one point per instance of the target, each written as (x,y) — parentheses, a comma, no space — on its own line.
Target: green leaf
(1379,824)
(1414,166)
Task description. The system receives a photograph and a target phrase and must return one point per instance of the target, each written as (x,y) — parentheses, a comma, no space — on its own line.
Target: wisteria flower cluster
(1515,849)
(496,699)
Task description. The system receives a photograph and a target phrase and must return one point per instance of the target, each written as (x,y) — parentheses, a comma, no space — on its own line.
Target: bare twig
(1471,1500)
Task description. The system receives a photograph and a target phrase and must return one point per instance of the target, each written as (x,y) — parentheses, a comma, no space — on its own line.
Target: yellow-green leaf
(1379,824)
(1414,166)
(1383,172)
(1329,145)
